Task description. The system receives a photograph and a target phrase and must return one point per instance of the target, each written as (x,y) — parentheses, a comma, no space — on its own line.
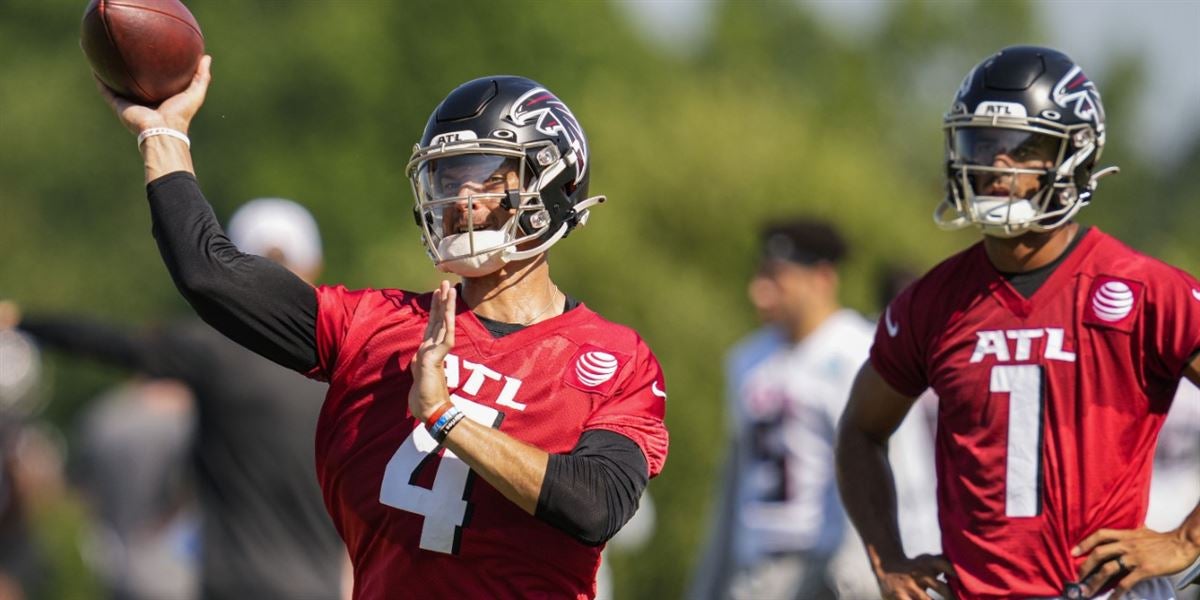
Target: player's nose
(468,188)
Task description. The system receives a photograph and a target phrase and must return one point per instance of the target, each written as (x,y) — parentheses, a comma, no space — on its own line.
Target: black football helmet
(1022,139)
(505,140)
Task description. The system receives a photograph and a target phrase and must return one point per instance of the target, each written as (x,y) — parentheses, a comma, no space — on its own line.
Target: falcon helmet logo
(1075,91)
(552,117)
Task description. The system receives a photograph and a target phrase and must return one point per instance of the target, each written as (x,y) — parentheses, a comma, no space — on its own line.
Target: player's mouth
(463,228)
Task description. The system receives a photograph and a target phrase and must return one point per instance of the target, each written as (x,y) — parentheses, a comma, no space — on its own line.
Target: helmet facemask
(454,182)
(1009,176)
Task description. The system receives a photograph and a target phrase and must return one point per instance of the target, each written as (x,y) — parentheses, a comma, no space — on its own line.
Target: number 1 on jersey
(443,506)
(1023,383)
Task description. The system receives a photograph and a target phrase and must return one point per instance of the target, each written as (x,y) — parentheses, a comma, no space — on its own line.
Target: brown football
(145,50)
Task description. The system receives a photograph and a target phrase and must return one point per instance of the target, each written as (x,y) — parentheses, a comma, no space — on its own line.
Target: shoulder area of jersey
(1113,257)
(591,327)
(364,299)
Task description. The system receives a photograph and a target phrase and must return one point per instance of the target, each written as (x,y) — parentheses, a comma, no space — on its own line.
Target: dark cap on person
(802,241)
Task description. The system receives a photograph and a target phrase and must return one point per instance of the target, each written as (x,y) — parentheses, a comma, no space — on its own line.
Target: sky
(1092,32)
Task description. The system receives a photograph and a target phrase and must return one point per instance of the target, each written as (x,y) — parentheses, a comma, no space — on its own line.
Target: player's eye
(450,187)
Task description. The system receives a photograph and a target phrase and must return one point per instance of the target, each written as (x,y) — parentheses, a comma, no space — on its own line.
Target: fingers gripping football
(175,112)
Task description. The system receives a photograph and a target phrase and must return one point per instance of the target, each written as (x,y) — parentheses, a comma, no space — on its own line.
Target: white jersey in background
(786,411)
(1175,484)
(785,402)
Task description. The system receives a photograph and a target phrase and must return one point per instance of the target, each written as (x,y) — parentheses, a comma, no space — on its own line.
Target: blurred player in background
(30,467)
(482,447)
(1175,484)
(1054,350)
(781,531)
(632,538)
(265,533)
(131,464)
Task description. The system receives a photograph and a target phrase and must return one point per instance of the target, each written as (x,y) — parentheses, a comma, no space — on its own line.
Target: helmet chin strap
(486,263)
(1106,171)
(511,253)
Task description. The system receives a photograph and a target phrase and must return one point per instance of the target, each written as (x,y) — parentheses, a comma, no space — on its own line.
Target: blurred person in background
(1055,352)
(630,539)
(264,531)
(517,455)
(1175,484)
(31,474)
(780,530)
(131,465)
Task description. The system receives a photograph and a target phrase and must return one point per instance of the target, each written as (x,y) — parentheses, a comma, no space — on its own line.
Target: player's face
(783,289)
(766,296)
(473,187)
(1019,160)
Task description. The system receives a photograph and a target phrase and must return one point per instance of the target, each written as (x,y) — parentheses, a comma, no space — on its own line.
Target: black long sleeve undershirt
(593,491)
(259,304)
(252,300)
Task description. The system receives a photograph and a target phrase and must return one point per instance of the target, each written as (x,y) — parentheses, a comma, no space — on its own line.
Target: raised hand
(428,390)
(175,112)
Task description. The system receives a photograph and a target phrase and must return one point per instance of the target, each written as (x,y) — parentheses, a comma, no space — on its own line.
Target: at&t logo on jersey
(1113,303)
(593,369)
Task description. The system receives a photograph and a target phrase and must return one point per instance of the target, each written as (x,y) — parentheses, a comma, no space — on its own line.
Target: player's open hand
(175,112)
(908,579)
(429,378)
(1128,556)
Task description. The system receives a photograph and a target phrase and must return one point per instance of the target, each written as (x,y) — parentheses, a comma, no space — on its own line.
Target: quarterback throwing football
(479,441)
(1055,351)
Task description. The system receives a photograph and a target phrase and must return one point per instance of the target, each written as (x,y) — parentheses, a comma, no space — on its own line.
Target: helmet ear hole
(530,222)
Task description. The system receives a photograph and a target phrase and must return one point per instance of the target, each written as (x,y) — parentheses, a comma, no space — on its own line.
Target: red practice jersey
(417,522)
(1050,406)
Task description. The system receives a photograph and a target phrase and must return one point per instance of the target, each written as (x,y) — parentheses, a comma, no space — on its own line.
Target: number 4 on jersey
(444,506)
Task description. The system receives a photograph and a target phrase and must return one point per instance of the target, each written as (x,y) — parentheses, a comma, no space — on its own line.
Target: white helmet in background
(275,224)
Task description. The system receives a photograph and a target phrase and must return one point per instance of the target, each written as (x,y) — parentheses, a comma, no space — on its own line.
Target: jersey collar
(1063,273)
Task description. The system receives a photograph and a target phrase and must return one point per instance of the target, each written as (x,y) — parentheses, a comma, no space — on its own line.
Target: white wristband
(167,131)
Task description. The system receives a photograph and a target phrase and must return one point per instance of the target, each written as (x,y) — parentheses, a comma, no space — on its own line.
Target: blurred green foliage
(775,115)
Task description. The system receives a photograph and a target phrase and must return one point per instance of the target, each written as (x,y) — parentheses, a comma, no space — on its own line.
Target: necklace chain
(553,297)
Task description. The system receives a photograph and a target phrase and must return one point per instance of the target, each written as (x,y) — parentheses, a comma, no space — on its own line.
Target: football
(145,50)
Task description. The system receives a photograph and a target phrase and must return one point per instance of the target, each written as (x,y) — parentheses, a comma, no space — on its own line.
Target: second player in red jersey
(482,447)
(1054,350)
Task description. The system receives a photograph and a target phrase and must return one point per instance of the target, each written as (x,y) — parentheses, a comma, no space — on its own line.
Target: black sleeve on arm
(593,491)
(252,300)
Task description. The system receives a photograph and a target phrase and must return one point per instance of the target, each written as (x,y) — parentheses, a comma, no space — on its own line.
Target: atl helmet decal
(1076,91)
(553,117)
(1112,301)
(594,368)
